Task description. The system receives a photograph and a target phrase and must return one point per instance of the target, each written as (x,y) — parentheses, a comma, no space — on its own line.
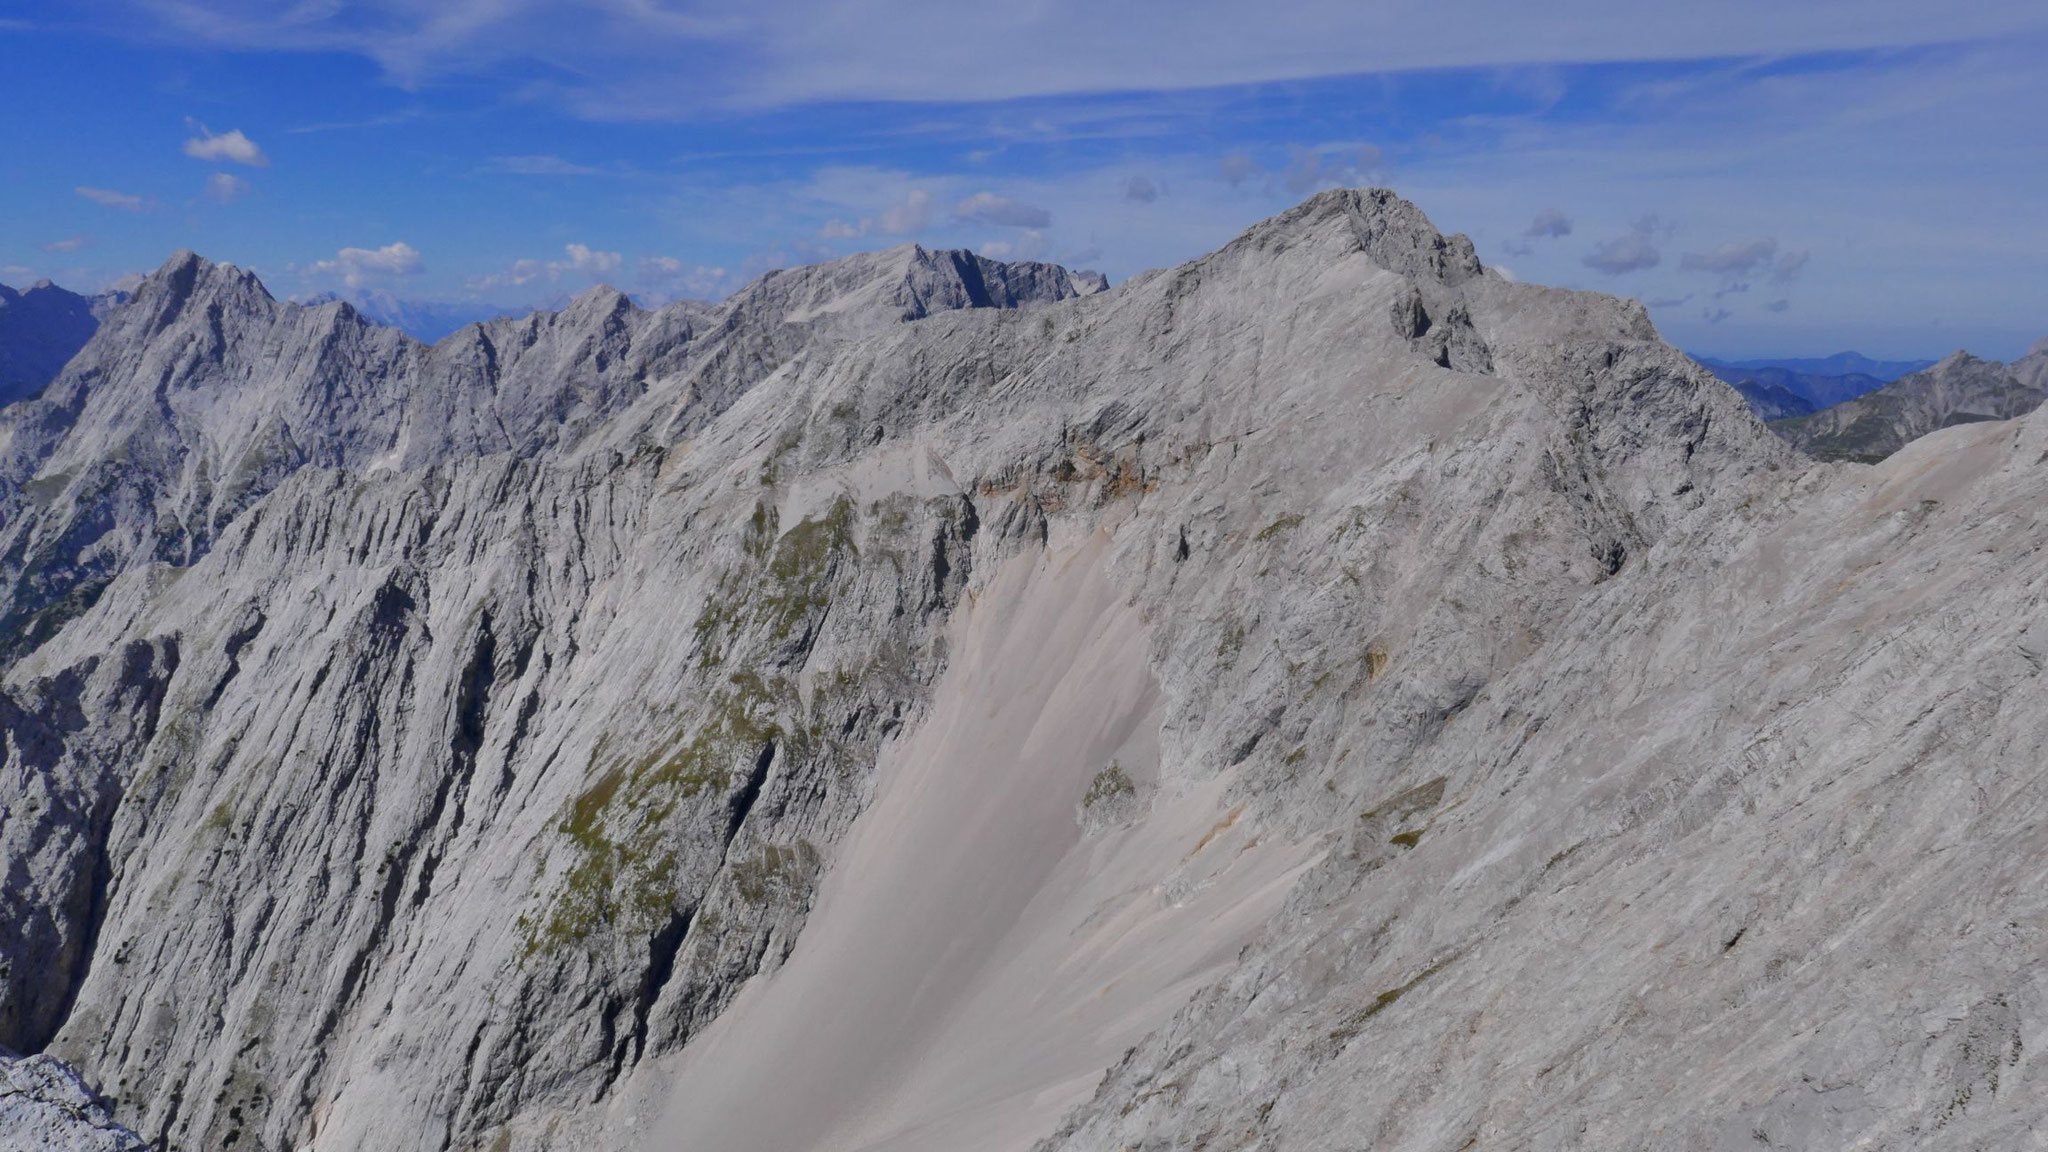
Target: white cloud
(1029,245)
(15,272)
(582,260)
(355,266)
(232,146)
(590,263)
(70,244)
(224,188)
(909,214)
(107,197)
(1001,211)
(666,278)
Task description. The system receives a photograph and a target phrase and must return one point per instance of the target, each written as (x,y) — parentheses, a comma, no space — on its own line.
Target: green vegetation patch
(1287,523)
(1109,785)
(623,872)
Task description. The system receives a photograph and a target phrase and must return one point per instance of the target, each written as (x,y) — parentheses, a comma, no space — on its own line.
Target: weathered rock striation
(1349,697)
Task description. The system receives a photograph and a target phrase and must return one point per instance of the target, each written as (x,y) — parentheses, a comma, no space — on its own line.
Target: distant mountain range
(1839,364)
(1959,390)
(41,329)
(1777,389)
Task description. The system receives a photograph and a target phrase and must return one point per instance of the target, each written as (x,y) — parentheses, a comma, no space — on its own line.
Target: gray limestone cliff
(1323,695)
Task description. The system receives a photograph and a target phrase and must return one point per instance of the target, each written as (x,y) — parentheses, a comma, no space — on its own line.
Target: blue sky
(1772,178)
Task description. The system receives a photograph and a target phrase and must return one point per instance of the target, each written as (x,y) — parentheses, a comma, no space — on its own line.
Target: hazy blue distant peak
(1839,364)
(429,321)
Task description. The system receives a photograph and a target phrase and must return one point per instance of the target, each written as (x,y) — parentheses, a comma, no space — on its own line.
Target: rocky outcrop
(45,1107)
(1345,695)
(1959,390)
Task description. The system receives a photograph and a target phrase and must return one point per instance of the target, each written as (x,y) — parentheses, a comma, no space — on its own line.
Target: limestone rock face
(1958,390)
(1321,695)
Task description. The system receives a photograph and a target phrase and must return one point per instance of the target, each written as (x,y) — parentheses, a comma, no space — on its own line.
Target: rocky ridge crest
(451,771)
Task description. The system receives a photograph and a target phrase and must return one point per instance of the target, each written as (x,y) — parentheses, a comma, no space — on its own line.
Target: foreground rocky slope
(1959,390)
(1350,697)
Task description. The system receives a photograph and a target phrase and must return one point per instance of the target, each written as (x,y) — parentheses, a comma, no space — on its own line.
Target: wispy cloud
(1029,244)
(231,146)
(1550,224)
(404,116)
(665,278)
(581,260)
(70,244)
(1309,169)
(1735,258)
(609,59)
(108,198)
(1633,251)
(1236,168)
(225,188)
(1000,211)
(908,215)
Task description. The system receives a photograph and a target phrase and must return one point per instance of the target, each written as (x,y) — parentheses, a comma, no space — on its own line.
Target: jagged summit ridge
(1466,666)
(203,391)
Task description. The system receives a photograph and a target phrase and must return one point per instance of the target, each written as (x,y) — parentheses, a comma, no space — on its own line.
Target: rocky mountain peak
(1391,231)
(188,284)
(1446,677)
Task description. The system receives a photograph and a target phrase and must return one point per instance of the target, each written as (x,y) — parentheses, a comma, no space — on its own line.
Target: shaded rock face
(1959,390)
(41,329)
(1610,774)
(1774,401)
